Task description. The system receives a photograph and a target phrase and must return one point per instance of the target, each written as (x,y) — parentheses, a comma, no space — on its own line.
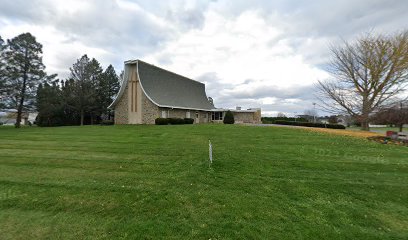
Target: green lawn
(152,182)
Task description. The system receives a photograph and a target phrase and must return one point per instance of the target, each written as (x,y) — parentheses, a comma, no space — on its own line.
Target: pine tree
(108,88)
(22,72)
(95,73)
(50,105)
(85,74)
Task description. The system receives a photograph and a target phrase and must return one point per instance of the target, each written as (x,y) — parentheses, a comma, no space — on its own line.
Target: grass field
(152,182)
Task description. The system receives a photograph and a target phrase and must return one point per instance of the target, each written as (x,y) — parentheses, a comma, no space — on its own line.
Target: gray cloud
(35,11)
(244,95)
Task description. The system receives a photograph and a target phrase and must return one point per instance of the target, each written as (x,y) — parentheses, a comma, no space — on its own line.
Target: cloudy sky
(258,53)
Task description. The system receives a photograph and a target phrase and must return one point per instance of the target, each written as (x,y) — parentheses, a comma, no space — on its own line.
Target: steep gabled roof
(167,89)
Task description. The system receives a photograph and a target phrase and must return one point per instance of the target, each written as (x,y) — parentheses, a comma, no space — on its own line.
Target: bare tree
(310,115)
(368,74)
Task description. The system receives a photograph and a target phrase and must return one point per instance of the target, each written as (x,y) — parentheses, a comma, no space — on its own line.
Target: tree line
(82,98)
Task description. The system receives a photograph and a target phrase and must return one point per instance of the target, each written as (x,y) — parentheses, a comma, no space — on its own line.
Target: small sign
(210,152)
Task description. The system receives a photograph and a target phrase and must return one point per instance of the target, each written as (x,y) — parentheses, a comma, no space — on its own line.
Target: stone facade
(149,111)
(247,117)
(121,109)
(258,116)
(243,117)
(203,116)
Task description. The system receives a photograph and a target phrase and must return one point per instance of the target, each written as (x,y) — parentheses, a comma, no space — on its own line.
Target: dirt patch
(387,140)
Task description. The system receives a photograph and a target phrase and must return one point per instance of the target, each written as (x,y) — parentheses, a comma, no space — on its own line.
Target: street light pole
(314,112)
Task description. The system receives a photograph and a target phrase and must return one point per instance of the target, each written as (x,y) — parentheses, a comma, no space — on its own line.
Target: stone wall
(181,113)
(178,113)
(150,111)
(257,116)
(205,117)
(121,109)
(246,117)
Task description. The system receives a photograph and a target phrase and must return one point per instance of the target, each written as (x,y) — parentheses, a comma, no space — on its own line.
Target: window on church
(217,116)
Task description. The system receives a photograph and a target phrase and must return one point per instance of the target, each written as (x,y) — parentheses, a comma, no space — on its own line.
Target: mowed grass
(153,182)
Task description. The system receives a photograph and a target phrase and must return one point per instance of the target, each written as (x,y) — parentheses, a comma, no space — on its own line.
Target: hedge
(272,120)
(107,122)
(309,124)
(161,121)
(188,120)
(173,121)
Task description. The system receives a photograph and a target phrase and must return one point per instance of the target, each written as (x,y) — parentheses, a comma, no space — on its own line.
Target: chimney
(211,100)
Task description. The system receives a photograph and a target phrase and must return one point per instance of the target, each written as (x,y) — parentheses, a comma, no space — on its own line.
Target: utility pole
(314,112)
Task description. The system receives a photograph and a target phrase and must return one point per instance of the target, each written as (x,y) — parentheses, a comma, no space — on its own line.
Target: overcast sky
(254,53)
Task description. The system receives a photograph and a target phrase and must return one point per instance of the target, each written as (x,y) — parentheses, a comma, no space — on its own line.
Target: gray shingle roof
(167,89)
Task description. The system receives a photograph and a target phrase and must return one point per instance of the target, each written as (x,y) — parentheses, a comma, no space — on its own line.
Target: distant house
(9,116)
(149,92)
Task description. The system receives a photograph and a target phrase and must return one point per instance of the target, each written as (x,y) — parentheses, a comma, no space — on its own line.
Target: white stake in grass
(210,153)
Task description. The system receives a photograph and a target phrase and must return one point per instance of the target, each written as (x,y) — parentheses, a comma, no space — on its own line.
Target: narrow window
(164,115)
(188,114)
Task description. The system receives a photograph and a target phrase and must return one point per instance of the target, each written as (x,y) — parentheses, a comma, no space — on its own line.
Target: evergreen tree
(95,71)
(85,74)
(108,88)
(229,118)
(50,105)
(22,72)
(71,115)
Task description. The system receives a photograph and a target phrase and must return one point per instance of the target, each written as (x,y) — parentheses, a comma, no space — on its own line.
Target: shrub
(309,124)
(228,118)
(107,122)
(272,120)
(188,120)
(161,121)
(175,121)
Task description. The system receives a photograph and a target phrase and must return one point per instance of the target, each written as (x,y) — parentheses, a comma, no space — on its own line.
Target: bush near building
(229,118)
